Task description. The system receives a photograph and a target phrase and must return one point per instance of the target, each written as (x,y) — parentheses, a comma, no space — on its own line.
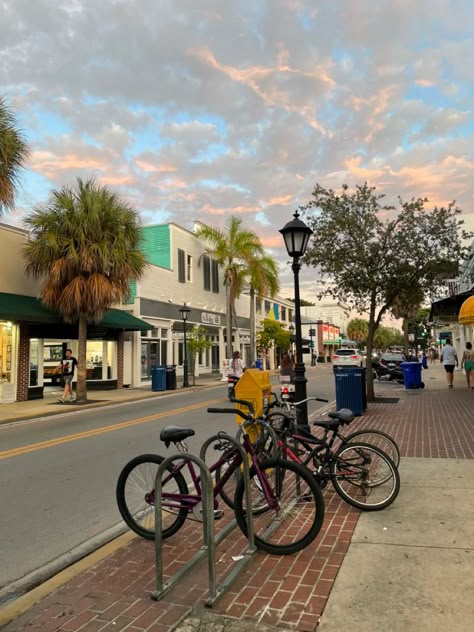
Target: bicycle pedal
(218,513)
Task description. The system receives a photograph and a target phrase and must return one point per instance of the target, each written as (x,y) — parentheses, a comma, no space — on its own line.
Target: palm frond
(14,152)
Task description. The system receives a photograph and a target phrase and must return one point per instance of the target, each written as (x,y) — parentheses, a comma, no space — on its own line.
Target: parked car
(347,357)
(388,367)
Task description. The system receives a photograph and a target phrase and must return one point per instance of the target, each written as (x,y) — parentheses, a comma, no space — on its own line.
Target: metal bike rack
(267,426)
(210,541)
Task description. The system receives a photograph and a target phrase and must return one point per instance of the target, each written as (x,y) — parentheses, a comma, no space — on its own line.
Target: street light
(184,312)
(296,235)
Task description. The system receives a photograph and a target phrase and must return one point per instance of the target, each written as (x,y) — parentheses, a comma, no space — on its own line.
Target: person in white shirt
(449,360)
(237,367)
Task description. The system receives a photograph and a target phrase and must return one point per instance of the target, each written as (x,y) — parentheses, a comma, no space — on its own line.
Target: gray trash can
(158,378)
(170,377)
(349,385)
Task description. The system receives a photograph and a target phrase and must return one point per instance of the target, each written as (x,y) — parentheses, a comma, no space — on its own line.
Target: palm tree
(233,249)
(85,246)
(262,276)
(13,154)
(358,329)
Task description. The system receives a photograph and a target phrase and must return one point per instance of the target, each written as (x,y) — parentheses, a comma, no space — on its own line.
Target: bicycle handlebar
(309,399)
(243,402)
(233,411)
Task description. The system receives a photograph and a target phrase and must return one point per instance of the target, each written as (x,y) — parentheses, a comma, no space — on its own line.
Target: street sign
(311,345)
(312,332)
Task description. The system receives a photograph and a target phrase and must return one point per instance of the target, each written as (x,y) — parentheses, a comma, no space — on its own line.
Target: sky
(200,109)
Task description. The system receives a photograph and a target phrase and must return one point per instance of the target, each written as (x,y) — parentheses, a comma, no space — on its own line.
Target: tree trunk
(253,342)
(82,362)
(370,345)
(405,335)
(228,324)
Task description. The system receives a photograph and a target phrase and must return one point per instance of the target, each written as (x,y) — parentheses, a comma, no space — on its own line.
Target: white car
(347,357)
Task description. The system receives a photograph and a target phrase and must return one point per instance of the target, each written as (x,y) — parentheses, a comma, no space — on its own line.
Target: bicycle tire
(146,509)
(305,509)
(379,439)
(352,484)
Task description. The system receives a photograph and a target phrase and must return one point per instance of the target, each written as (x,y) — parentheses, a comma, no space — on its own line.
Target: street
(58,476)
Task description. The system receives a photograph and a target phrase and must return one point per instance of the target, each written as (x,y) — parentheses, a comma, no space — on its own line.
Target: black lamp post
(184,312)
(312,332)
(296,235)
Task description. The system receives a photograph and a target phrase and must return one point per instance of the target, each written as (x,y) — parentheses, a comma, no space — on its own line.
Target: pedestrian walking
(449,360)
(467,362)
(67,366)
(432,355)
(237,367)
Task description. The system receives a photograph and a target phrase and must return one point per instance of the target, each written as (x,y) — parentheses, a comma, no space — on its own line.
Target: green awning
(29,309)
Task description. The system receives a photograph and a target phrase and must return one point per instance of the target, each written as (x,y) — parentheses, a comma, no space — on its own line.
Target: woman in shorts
(467,362)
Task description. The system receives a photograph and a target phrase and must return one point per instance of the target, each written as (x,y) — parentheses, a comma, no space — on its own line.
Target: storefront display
(7,361)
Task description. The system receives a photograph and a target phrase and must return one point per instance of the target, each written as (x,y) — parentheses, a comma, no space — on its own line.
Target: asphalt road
(58,475)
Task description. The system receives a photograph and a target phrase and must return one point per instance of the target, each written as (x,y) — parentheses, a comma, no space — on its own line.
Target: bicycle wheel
(289,516)
(364,476)
(377,438)
(135,495)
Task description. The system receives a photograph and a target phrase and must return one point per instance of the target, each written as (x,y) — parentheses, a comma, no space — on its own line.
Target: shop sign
(245,340)
(210,319)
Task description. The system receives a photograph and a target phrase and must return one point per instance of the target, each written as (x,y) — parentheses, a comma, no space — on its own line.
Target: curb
(104,404)
(19,606)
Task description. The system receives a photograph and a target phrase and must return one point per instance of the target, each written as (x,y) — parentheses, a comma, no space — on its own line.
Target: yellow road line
(7,454)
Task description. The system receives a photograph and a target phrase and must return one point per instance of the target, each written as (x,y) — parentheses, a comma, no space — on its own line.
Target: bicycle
(287,502)
(373,436)
(361,473)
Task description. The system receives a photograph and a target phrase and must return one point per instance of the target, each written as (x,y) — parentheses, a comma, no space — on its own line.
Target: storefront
(33,341)
(8,361)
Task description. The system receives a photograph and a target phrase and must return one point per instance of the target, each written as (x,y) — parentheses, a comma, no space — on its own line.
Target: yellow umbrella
(466,313)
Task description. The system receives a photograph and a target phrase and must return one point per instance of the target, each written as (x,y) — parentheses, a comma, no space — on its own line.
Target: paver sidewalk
(283,593)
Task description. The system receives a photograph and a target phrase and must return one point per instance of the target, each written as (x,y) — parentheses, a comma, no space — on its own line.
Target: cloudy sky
(197,109)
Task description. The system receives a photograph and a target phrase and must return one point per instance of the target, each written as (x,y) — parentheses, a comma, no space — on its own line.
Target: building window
(206,266)
(34,361)
(181,270)
(268,307)
(215,276)
(211,274)
(6,353)
(283,313)
(189,268)
(258,305)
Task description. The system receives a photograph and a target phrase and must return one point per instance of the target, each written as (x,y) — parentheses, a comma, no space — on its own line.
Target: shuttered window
(181,271)
(206,266)
(215,277)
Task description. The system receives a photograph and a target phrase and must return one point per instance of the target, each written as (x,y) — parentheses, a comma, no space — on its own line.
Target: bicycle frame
(175,502)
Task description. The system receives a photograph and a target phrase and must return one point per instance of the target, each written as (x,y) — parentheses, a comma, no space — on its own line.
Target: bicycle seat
(174,434)
(344,415)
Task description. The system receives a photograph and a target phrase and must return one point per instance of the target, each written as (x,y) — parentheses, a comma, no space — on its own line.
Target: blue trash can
(424,362)
(259,364)
(412,375)
(349,384)
(158,378)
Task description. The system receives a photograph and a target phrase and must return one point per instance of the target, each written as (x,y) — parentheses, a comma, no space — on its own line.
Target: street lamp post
(184,312)
(296,235)
(312,332)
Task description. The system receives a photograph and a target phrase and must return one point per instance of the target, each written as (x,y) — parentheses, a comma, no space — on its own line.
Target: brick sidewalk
(287,592)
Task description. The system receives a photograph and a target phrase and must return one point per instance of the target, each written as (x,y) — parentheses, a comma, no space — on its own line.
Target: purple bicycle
(287,503)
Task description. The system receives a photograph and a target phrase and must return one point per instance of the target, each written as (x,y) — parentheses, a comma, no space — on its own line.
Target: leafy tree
(14,152)
(197,343)
(273,334)
(357,329)
(372,255)
(233,249)
(262,274)
(303,302)
(85,246)
(418,326)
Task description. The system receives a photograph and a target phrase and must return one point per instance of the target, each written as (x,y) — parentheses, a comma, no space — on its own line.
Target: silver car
(347,357)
